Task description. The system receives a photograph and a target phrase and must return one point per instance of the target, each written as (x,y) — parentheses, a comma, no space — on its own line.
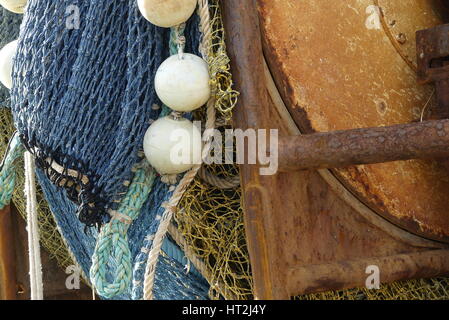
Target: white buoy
(173,145)
(167,13)
(182,84)
(16,6)
(6,55)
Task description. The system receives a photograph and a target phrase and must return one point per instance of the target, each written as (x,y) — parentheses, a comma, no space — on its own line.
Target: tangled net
(211,219)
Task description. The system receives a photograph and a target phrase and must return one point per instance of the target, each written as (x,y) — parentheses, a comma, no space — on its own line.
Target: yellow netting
(211,219)
(422,289)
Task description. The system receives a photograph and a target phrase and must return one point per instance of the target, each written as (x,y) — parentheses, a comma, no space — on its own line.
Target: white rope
(170,207)
(33,230)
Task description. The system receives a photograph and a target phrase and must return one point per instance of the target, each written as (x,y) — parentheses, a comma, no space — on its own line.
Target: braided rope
(171,205)
(217,182)
(112,244)
(8,170)
(205,28)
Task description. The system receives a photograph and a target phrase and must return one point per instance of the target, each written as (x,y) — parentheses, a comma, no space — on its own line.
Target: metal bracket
(432,47)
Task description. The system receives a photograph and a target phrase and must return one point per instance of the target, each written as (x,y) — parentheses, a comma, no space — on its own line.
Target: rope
(112,244)
(36,283)
(167,216)
(8,172)
(217,182)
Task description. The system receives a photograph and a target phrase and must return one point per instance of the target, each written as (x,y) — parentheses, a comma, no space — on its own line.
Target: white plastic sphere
(167,13)
(16,6)
(172,145)
(182,84)
(6,55)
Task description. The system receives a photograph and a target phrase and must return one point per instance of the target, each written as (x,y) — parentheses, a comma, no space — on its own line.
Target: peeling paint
(373,20)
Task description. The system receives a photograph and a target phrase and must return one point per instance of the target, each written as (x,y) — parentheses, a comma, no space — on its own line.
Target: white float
(167,13)
(16,6)
(173,145)
(6,55)
(182,84)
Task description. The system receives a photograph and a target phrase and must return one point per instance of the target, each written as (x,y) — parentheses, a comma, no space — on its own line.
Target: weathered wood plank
(8,281)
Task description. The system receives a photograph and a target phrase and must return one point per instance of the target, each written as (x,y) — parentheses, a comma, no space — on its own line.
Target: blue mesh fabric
(85,95)
(9,31)
(83,98)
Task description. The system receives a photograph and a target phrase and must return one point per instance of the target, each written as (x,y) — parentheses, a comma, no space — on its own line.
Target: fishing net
(209,218)
(84,104)
(422,289)
(50,236)
(9,30)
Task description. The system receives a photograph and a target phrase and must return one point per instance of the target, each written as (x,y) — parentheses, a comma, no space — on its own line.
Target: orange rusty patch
(350,64)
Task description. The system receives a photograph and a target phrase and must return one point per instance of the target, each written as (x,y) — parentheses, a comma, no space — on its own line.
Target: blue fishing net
(82,100)
(9,31)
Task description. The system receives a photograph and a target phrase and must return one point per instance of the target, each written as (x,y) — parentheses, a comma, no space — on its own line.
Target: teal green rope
(112,244)
(8,170)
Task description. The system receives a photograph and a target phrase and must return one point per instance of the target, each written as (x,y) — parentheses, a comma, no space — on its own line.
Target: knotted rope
(112,244)
(8,170)
(171,205)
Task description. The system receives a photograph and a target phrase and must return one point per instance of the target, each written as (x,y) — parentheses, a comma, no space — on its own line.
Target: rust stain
(335,74)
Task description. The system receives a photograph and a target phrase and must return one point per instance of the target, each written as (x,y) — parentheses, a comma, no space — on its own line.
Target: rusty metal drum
(352,64)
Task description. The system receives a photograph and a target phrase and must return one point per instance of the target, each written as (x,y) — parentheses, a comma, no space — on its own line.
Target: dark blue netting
(9,31)
(82,99)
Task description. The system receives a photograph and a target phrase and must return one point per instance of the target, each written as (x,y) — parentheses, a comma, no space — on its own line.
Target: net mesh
(422,289)
(50,237)
(211,219)
(9,31)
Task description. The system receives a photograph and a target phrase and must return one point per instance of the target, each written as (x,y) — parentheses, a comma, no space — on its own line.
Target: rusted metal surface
(425,140)
(432,47)
(8,284)
(299,218)
(245,50)
(343,67)
(348,274)
(401,19)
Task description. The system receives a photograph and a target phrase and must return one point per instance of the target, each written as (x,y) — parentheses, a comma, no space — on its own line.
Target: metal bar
(352,273)
(253,110)
(425,140)
(8,283)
